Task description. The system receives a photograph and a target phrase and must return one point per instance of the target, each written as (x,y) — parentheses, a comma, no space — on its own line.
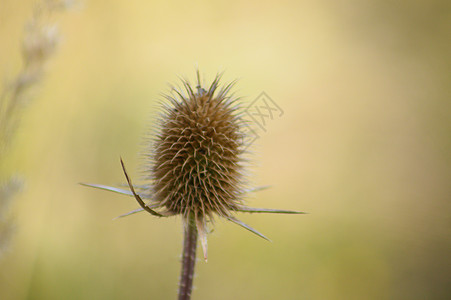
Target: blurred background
(364,146)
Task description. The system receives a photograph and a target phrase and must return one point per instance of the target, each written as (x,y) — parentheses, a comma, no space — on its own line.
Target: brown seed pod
(196,160)
(197,156)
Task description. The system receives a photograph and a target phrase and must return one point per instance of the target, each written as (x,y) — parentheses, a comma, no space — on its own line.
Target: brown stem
(188,260)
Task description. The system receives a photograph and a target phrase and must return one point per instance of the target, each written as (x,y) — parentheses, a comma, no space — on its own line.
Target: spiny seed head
(197,163)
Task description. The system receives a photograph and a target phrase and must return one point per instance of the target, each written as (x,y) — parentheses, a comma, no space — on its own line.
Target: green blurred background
(364,146)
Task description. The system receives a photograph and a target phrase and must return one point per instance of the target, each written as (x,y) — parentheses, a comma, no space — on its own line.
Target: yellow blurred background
(364,146)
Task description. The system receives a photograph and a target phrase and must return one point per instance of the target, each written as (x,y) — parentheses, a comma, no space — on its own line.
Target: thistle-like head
(197,155)
(196,159)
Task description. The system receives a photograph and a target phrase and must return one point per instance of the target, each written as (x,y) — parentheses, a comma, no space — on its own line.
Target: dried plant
(196,167)
(39,43)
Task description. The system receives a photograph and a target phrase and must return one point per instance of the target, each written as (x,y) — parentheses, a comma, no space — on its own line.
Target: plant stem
(188,260)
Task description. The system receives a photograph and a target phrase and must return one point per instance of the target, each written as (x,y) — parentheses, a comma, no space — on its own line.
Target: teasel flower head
(196,161)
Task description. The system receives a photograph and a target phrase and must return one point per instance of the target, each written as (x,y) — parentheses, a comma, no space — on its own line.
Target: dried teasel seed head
(197,163)
(196,168)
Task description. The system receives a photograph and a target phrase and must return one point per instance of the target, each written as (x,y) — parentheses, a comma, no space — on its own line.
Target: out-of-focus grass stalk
(39,43)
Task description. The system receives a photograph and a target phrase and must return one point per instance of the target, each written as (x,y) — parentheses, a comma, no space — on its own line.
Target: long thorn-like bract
(188,259)
(137,197)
